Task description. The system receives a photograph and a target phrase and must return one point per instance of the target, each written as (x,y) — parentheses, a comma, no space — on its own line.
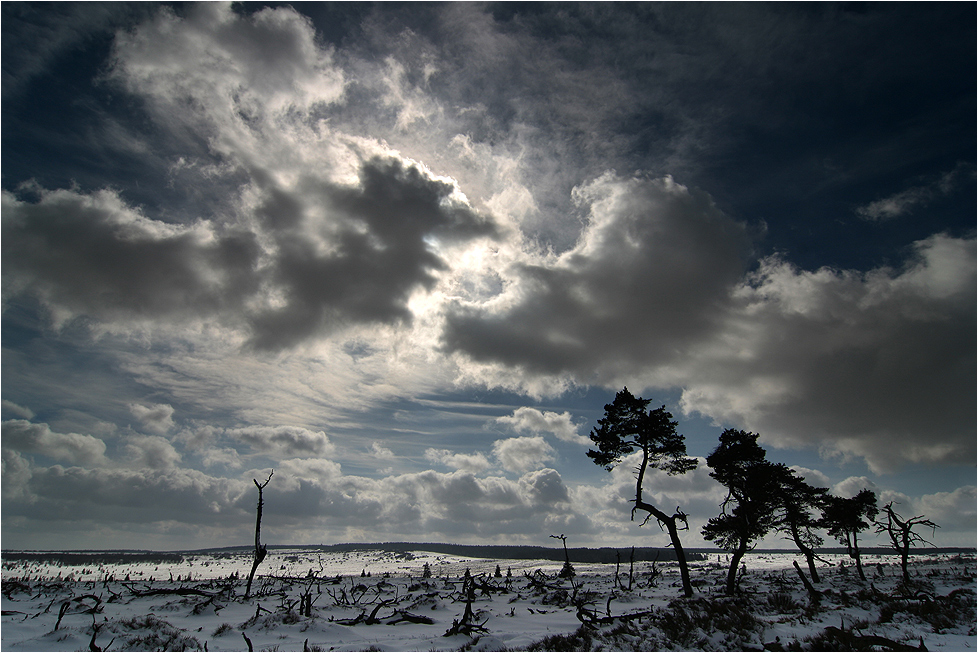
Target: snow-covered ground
(379,600)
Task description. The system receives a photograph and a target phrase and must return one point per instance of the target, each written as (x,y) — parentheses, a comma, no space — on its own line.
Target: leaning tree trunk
(806,551)
(260,550)
(677,545)
(738,555)
(855,554)
(668,520)
(680,555)
(810,557)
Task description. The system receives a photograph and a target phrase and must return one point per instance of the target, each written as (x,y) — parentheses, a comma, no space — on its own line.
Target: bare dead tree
(260,550)
(568,570)
(902,535)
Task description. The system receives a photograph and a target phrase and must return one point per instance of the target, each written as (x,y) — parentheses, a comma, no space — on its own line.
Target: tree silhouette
(753,493)
(627,427)
(901,534)
(797,499)
(260,550)
(568,569)
(844,518)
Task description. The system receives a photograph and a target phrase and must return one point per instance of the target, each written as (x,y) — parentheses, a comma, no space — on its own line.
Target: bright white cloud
(530,420)
(522,454)
(473,463)
(283,440)
(380,451)
(813,477)
(315,469)
(852,486)
(157,418)
(151,451)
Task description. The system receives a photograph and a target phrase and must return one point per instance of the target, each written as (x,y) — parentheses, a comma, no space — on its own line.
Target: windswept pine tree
(749,511)
(844,518)
(629,426)
(797,514)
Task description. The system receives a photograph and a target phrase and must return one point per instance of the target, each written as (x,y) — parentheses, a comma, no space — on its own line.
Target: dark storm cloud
(370,247)
(649,278)
(378,238)
(654,295)
(299,495)
(877,364)
(93,255)
(23,436)
(123,495)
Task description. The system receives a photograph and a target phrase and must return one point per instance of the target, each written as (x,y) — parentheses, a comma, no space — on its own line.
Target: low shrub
(580,640)
(689,623)
(153,634)
(940,613)
(222,630)
(781,603)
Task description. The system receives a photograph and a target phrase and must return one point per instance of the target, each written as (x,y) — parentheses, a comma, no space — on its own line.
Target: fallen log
(404,615)
(813,594)
(591,620)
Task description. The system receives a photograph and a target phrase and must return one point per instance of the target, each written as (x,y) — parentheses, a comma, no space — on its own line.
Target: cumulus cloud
(321,469)
(366,255)
(646,282)
(522,454)
(845,361)
(951,510)
(813,477)
(309,492)
(324,230)
(157,418)
(283,440)
(110,495)
(530,420)
(852,486)
(544,487)
(205,64)
(92,254)
(14,476)
(151,451)
(380,451)
(473,463)
(212,456)
(23,436)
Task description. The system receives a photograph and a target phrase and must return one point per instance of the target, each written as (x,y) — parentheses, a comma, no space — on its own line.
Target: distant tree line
(602,555)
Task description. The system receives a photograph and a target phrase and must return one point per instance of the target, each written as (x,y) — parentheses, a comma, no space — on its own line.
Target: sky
(404,254)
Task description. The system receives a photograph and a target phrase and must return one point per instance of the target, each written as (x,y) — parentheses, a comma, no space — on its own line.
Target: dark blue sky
(411,250)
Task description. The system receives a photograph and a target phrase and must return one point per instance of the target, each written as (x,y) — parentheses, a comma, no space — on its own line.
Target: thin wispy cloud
(906,201)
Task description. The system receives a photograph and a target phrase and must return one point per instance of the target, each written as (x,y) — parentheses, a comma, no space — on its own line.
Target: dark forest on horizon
(601,555)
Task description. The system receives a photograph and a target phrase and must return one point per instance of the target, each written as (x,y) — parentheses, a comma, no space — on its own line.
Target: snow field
(51,607)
